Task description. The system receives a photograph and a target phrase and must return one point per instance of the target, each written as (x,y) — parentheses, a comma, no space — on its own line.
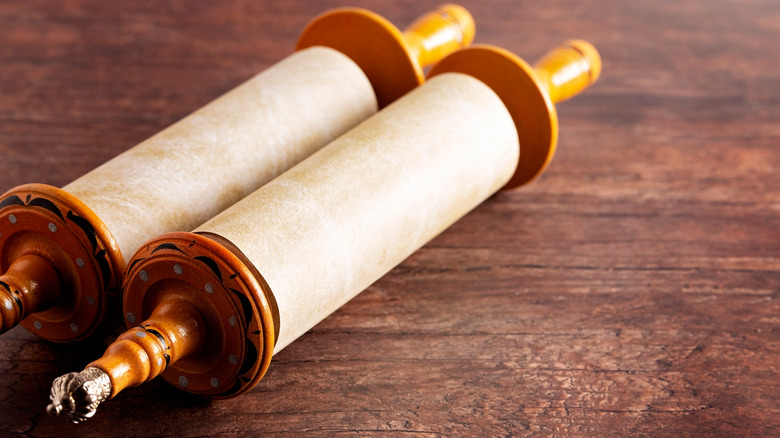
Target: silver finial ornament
(77,395)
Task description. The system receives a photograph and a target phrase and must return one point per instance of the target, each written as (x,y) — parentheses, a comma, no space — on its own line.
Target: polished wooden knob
(569,69)
(439,33)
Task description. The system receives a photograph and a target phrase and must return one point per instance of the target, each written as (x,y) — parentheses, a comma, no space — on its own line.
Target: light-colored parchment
(335,223)
(222,152)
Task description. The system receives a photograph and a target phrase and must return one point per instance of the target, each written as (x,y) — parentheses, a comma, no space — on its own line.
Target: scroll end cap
(464,21)
(77,395)
(591,55)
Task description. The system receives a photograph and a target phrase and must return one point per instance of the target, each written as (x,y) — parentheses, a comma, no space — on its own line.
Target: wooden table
(631,290)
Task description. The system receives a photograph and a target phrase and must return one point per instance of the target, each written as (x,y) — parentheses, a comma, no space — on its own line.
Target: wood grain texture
(631,291)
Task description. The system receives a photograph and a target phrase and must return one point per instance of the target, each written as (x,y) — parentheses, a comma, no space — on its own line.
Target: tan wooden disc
(373,43)
(227,293)
(524,96)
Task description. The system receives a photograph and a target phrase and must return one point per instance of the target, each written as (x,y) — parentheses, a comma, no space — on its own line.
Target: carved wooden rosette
(46,224)
(233,299)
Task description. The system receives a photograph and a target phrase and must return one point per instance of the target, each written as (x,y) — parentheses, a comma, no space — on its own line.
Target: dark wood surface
(632,290)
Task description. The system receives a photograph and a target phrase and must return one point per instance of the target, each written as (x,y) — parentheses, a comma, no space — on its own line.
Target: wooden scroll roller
(208,309)
(62,251)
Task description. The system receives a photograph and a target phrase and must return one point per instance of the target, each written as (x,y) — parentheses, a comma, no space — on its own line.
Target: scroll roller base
(392,60)
(515,82)
(241,320)
(529,93)
(61,266)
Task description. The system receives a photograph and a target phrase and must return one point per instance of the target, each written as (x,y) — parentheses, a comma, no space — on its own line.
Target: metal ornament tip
(77,395)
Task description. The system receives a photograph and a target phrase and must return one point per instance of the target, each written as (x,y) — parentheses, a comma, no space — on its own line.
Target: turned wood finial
(438,33)
(175,330)
(569,69)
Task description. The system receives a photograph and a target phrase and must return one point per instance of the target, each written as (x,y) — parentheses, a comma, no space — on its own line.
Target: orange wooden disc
(46,221)
(230,296)
(524,96)
(373,43)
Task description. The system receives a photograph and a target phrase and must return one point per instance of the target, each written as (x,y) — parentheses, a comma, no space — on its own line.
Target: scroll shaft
(30,285)
(175,330)
(569,69)
(439,32)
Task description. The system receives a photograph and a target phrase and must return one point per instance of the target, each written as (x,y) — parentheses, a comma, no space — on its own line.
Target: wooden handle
(175,330)
(30,285)
(438,33)
(569,69)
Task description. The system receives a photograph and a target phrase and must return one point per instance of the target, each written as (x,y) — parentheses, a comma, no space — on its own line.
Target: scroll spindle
(30,285)
(59,264)
(569,69)
(175,330)
(438,33)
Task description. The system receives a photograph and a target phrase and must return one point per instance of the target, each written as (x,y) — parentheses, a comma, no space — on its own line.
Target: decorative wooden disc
(46,221)
(373,43)
(230,296)
(524,96)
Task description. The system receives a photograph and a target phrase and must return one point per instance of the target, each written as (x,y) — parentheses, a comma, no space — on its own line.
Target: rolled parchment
(209,309)
(209,160)
(328,228)
(63,250)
